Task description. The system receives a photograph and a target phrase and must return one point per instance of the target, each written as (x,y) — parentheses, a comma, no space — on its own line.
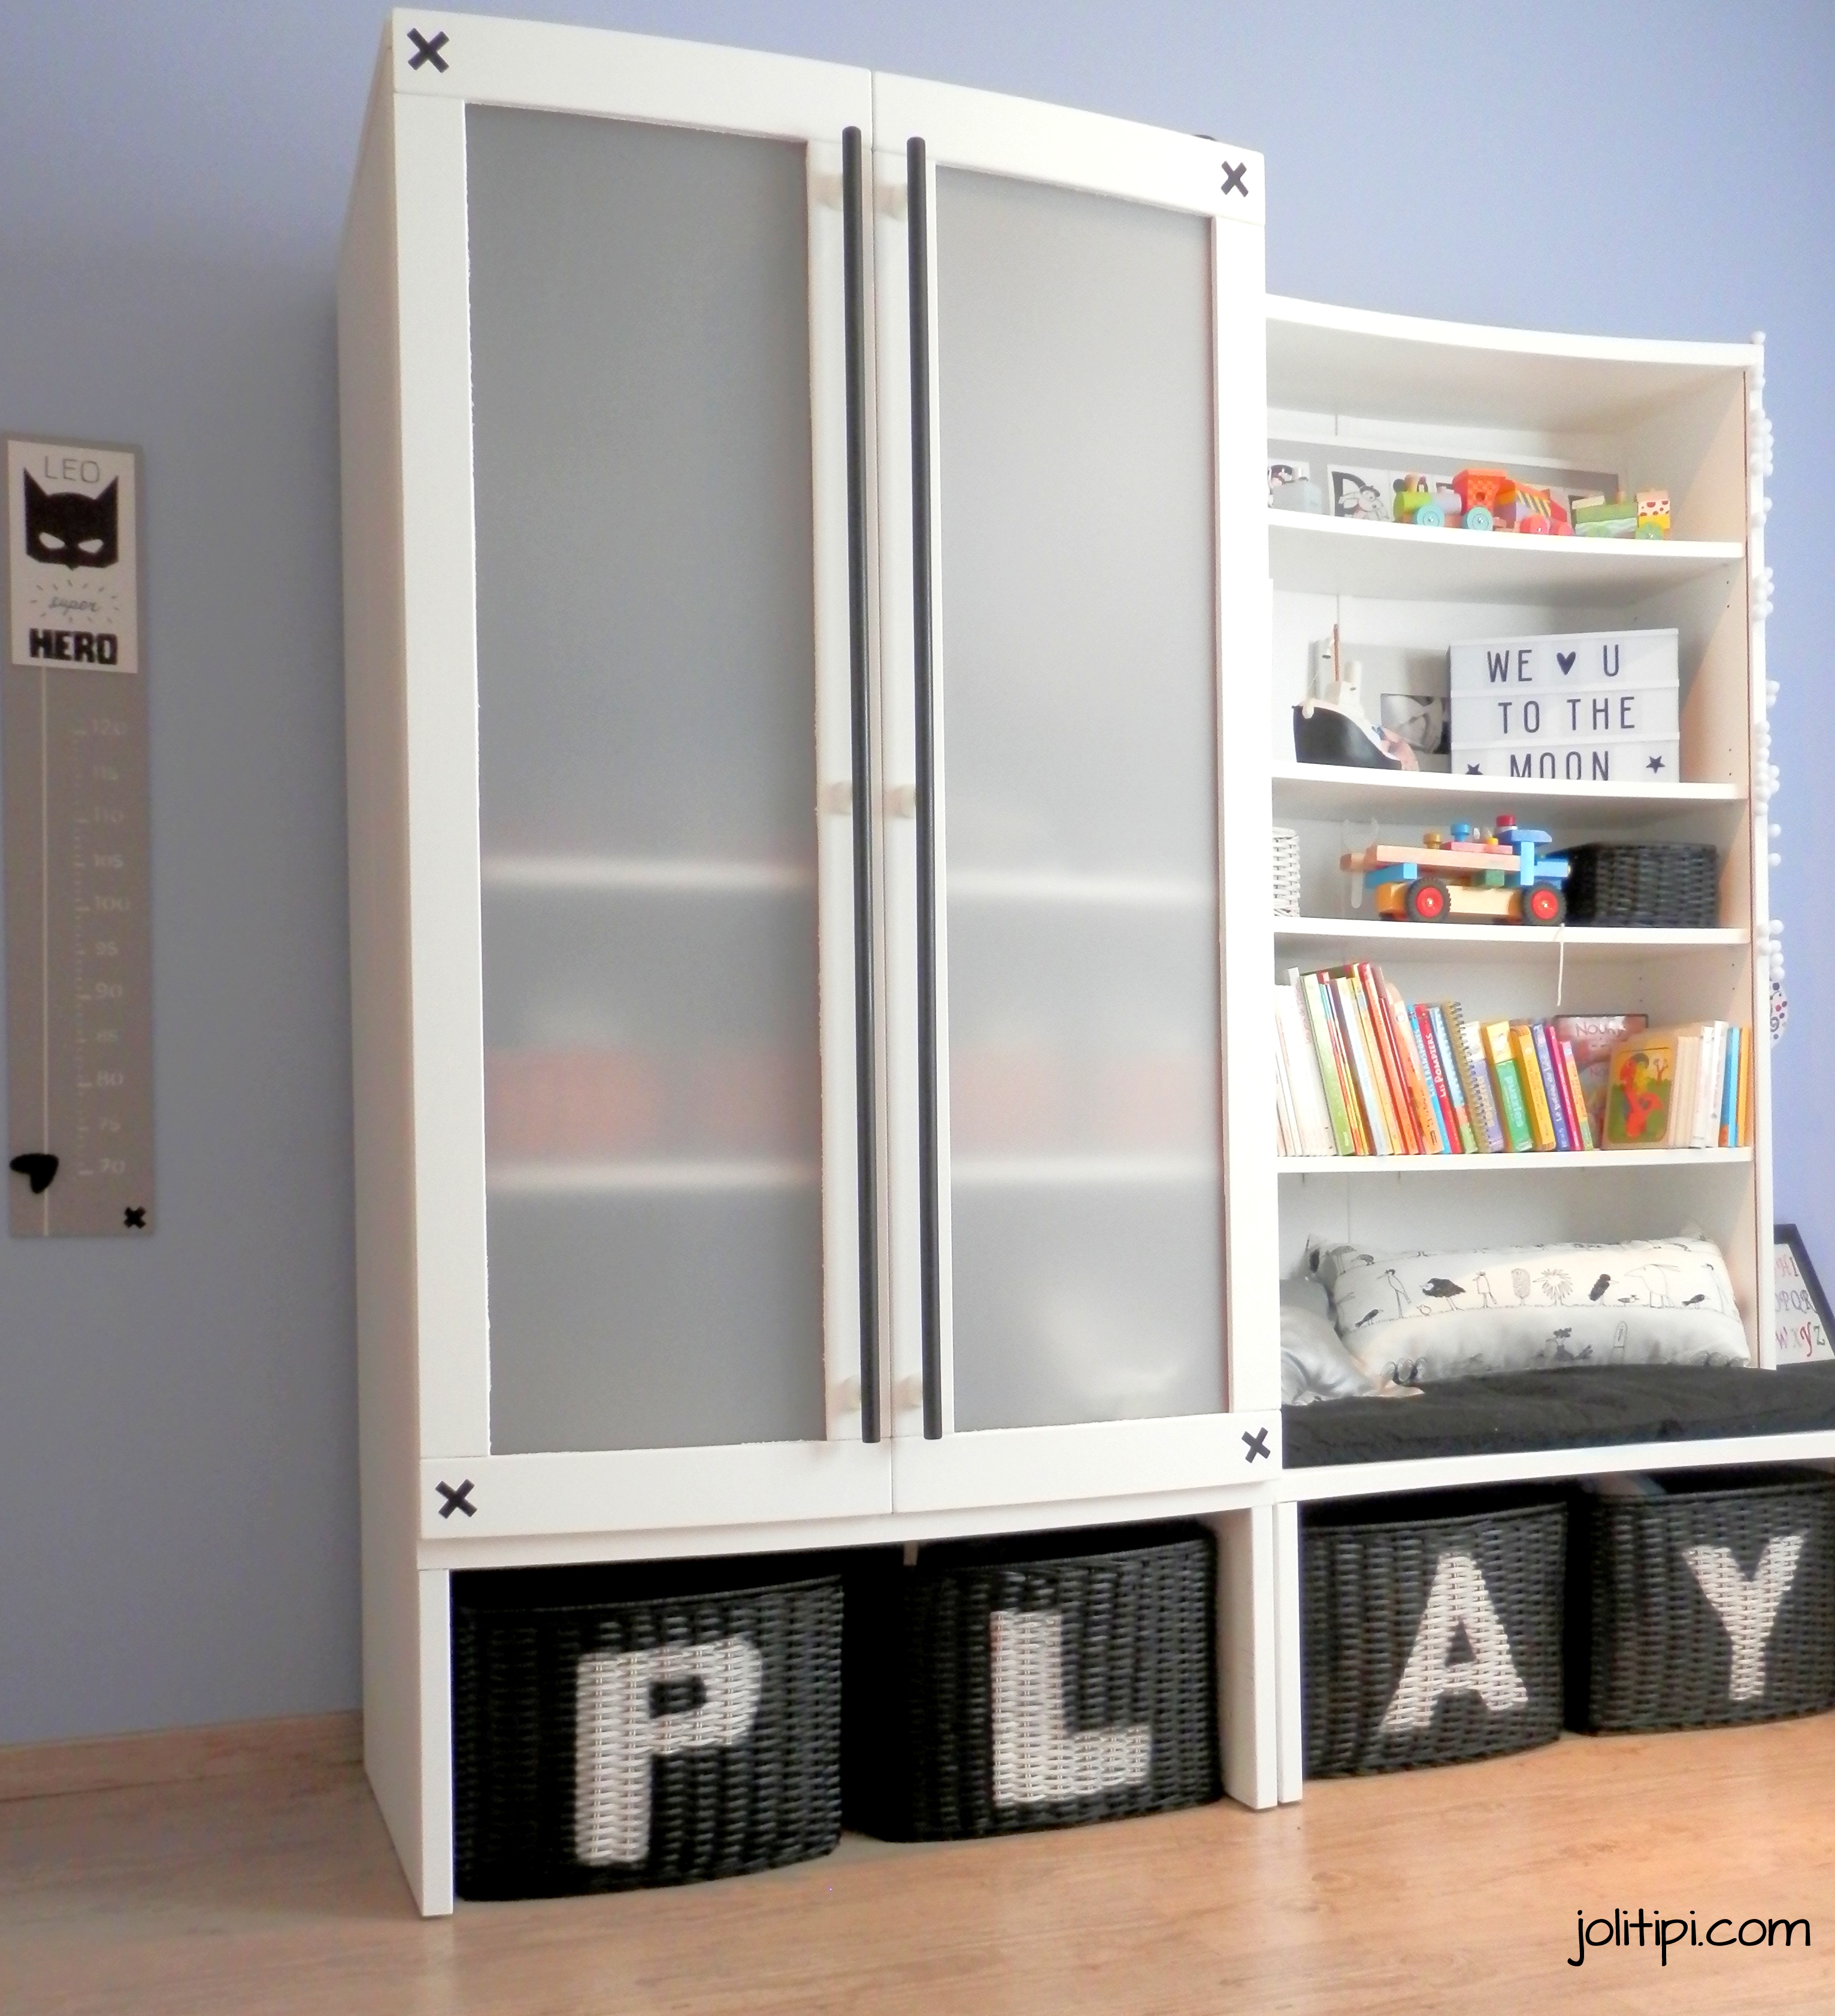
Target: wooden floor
(1453,1890)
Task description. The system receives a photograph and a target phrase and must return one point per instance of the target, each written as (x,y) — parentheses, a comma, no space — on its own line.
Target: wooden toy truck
(1503,877)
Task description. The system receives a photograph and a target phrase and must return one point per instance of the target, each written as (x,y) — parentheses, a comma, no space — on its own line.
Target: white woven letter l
(1748,1609)
(1037,1761)
(616,1735)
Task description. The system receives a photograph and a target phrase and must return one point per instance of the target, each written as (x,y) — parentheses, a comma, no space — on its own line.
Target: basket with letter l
(614,1729)
(1714,1602)
(1432,1630)
(994,1688)
(1656,885)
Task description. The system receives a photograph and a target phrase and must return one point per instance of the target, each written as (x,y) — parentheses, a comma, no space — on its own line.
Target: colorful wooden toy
(1597,516)
(1480,492)
(1414,495)
(1525,508)
(1653,514)
(1505,877)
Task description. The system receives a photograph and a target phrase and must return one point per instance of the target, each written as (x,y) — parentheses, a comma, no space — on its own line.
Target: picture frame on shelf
(1805,1328)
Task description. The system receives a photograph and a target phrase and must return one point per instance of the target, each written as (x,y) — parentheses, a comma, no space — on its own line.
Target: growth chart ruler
(79,952)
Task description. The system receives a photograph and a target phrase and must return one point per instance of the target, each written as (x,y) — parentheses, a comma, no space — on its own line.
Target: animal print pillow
(1417,1316)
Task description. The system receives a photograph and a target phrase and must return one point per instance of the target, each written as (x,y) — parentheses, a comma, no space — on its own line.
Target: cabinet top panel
(1000,135)
(1324,359)
(486,61)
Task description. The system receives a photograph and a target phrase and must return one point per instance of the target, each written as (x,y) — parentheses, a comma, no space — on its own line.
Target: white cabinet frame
(591,74)
(934,1466)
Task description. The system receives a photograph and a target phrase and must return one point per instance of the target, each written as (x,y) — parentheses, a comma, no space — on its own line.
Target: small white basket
(1286,872)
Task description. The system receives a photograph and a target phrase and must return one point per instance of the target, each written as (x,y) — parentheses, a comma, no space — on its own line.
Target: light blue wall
(178,1488)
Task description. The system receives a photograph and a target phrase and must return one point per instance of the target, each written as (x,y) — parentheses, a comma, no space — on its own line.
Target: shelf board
(1500,940)
(1319,556)
(1326,358)
(1122,1172)
(650,875)
(1546,1163)
(1324,790)
(1441,1473)
(658,1175)
(1054,888)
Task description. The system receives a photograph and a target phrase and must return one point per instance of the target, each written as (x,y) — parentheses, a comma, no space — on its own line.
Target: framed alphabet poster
(1805,1329)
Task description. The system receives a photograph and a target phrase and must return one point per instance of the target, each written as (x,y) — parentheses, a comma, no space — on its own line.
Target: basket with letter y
(1703,1596)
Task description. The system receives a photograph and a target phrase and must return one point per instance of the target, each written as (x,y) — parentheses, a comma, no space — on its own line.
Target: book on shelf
(1361,1071)
(1513,1099)
(1686,1087)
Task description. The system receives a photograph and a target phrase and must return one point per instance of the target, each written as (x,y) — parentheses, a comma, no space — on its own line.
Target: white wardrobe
(807,633)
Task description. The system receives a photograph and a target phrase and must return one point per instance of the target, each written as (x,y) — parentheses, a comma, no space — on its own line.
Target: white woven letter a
(1037,1761)
(616,1734)
(1458,1598)
(1748,1609)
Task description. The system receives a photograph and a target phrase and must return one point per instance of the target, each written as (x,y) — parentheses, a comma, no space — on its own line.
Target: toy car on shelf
(1505,877)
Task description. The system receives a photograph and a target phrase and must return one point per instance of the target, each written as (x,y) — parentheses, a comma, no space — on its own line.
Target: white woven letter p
(616,1734)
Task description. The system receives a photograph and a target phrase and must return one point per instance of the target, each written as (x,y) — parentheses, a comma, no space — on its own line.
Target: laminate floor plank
(275,1893)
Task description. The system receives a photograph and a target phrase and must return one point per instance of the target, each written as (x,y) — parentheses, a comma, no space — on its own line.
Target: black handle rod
(923,674)
(859,672)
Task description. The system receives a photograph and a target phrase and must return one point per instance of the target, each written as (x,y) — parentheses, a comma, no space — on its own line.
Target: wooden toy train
(1488,500)
(1503,876)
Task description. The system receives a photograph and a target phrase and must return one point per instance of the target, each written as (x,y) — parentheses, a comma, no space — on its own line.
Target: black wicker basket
(1672,885)
(997,1687)
(1432,1629)
(618,1728)
(1714,1602)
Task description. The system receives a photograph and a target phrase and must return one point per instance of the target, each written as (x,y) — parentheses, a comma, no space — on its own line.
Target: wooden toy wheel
(1427,900)
(1544,905)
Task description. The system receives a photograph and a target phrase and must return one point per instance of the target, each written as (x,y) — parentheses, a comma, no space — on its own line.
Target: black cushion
(1504,1413)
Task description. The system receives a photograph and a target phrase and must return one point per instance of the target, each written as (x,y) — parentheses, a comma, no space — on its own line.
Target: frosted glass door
(1076,812)
(647,824)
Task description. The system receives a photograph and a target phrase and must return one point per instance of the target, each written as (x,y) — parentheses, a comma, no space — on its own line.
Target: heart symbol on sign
(1565,660)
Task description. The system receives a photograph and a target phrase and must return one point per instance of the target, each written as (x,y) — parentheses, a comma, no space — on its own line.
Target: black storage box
(1669,885)
(996,1687)
(1431,1628)
(615,1728)
(1713,1602)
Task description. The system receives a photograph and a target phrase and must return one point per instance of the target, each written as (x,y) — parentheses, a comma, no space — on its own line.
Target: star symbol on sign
(1655,763)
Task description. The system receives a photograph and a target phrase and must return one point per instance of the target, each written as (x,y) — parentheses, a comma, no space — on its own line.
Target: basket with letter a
(1709,1598)
(1431,1629)
(993,1687)
(618,1728)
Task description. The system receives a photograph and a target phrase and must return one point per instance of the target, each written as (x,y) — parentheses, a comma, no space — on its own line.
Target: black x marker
(458,1500)
(1258,1446)
(1233,177)
(426,52)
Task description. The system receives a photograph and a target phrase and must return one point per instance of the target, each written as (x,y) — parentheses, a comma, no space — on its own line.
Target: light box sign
(73,559)
(1597,706)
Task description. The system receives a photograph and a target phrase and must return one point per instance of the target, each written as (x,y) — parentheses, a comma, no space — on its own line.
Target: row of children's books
(1360,1071)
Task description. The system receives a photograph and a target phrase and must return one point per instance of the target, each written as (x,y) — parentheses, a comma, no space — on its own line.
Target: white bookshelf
(1391,390)
(1371,389)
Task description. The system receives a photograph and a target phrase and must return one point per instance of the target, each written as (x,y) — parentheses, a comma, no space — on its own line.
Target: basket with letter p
(615,1728)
